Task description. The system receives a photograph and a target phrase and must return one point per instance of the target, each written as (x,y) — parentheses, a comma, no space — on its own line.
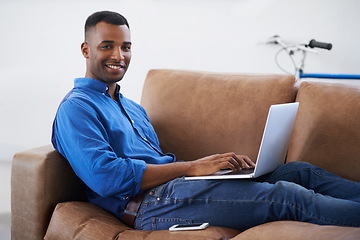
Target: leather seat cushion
(83,220)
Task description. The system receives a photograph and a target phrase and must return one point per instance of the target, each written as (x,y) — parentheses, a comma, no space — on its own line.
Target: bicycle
(304,48)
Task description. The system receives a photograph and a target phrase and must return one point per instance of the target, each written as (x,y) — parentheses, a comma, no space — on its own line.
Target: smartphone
(188,227)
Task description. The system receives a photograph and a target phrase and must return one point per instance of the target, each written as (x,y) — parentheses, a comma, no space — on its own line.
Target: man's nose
(118,54)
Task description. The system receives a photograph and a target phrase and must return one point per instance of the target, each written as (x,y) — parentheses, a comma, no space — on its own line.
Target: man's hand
(155,175)
(211,164)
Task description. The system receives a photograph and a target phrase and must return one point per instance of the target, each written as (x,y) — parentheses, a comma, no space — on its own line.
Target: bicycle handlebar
(315,44)
(292,48)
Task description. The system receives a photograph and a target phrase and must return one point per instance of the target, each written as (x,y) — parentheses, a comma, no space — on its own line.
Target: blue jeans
(295,191)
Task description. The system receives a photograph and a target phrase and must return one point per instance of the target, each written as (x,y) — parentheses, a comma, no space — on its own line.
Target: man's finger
(249,161)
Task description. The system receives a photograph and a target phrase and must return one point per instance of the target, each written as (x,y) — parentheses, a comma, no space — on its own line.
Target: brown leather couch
(197,114)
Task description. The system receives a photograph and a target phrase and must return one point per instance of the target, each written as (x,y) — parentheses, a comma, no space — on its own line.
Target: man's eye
(105,47)
(127,48)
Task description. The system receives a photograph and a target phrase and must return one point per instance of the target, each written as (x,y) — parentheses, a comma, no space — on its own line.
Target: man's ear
(85,49)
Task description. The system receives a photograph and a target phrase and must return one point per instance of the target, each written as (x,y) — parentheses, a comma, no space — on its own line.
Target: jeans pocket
(158,191)
(166,223)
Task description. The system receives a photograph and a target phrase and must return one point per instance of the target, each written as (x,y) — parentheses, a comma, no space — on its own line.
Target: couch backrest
(327,128)
(199,113)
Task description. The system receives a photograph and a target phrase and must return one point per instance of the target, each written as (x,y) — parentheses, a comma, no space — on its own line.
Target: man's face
(107,51)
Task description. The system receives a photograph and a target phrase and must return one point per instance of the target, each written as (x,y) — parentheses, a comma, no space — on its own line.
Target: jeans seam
(140,213)
(312,170)
(292,205)
(309,214)
(331,178)
(174,220)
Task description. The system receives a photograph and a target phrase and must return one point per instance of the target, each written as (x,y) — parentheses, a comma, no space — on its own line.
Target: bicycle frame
(331,76)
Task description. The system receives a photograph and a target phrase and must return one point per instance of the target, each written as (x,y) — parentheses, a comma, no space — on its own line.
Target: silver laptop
(273,147)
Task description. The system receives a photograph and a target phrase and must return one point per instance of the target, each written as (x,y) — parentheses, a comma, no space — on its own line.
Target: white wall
(40,47)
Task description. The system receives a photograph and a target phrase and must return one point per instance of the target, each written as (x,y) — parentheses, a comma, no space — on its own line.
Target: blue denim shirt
(107,143)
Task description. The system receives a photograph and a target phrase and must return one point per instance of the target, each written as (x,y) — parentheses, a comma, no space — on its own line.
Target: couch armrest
(40,179)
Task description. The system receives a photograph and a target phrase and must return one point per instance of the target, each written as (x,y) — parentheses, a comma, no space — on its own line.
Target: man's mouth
(114,66)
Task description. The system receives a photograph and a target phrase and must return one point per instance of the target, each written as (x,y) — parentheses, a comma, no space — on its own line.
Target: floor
(5,216)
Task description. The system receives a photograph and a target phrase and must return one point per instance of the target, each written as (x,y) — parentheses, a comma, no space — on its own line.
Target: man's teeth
(114,66)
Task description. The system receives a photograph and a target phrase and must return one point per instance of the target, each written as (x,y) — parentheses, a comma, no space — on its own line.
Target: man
(112,147)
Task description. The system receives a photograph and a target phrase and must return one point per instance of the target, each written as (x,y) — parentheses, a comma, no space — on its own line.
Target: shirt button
(132,121)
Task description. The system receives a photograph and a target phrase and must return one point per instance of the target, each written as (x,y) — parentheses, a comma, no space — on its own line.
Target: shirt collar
(94,84)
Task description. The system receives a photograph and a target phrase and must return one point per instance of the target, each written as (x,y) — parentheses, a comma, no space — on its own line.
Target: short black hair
(105,16)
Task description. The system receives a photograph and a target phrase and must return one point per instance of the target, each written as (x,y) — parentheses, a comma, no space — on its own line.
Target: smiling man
(113,148)
(107,49)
